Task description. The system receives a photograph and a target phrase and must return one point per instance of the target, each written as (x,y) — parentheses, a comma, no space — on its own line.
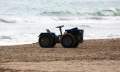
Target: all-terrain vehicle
(69,39)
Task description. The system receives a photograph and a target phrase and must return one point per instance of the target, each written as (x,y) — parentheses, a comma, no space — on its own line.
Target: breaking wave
(7,21)
(60,7)
(105,12)
(5,37)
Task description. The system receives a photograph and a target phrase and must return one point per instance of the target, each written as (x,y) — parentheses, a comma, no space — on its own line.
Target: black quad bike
(70,39)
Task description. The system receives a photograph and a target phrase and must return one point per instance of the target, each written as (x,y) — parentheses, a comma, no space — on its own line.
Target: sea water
(21,21)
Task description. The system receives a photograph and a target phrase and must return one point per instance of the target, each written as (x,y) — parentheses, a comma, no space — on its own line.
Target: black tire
(47,41)
(69,41)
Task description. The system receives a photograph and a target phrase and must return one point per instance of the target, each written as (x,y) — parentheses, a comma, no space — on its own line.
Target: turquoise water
(60,7)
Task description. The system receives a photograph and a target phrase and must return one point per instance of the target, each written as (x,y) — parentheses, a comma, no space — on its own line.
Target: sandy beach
(98,55)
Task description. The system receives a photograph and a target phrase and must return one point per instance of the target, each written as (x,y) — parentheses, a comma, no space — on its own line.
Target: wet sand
(99,55)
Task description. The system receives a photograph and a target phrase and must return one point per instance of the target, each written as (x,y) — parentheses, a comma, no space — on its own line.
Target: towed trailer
(69,39)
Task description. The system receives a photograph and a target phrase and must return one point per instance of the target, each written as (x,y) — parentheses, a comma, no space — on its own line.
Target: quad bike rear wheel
(69,41)
(47,40)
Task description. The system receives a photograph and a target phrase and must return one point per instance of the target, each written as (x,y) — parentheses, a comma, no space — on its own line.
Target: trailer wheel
(47,41)
(69,41)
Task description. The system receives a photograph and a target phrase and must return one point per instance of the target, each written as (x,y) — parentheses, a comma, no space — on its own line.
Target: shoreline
(27,43)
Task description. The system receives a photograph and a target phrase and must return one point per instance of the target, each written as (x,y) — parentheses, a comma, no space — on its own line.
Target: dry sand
(101,55)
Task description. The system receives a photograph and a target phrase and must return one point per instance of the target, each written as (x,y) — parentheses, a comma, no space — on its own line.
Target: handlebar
(60,26)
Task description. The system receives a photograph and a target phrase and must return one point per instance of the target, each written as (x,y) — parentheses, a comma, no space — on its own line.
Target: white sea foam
(27,29)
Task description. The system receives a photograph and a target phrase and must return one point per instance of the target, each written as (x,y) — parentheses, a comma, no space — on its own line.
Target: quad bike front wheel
(47,41)
(69,41)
